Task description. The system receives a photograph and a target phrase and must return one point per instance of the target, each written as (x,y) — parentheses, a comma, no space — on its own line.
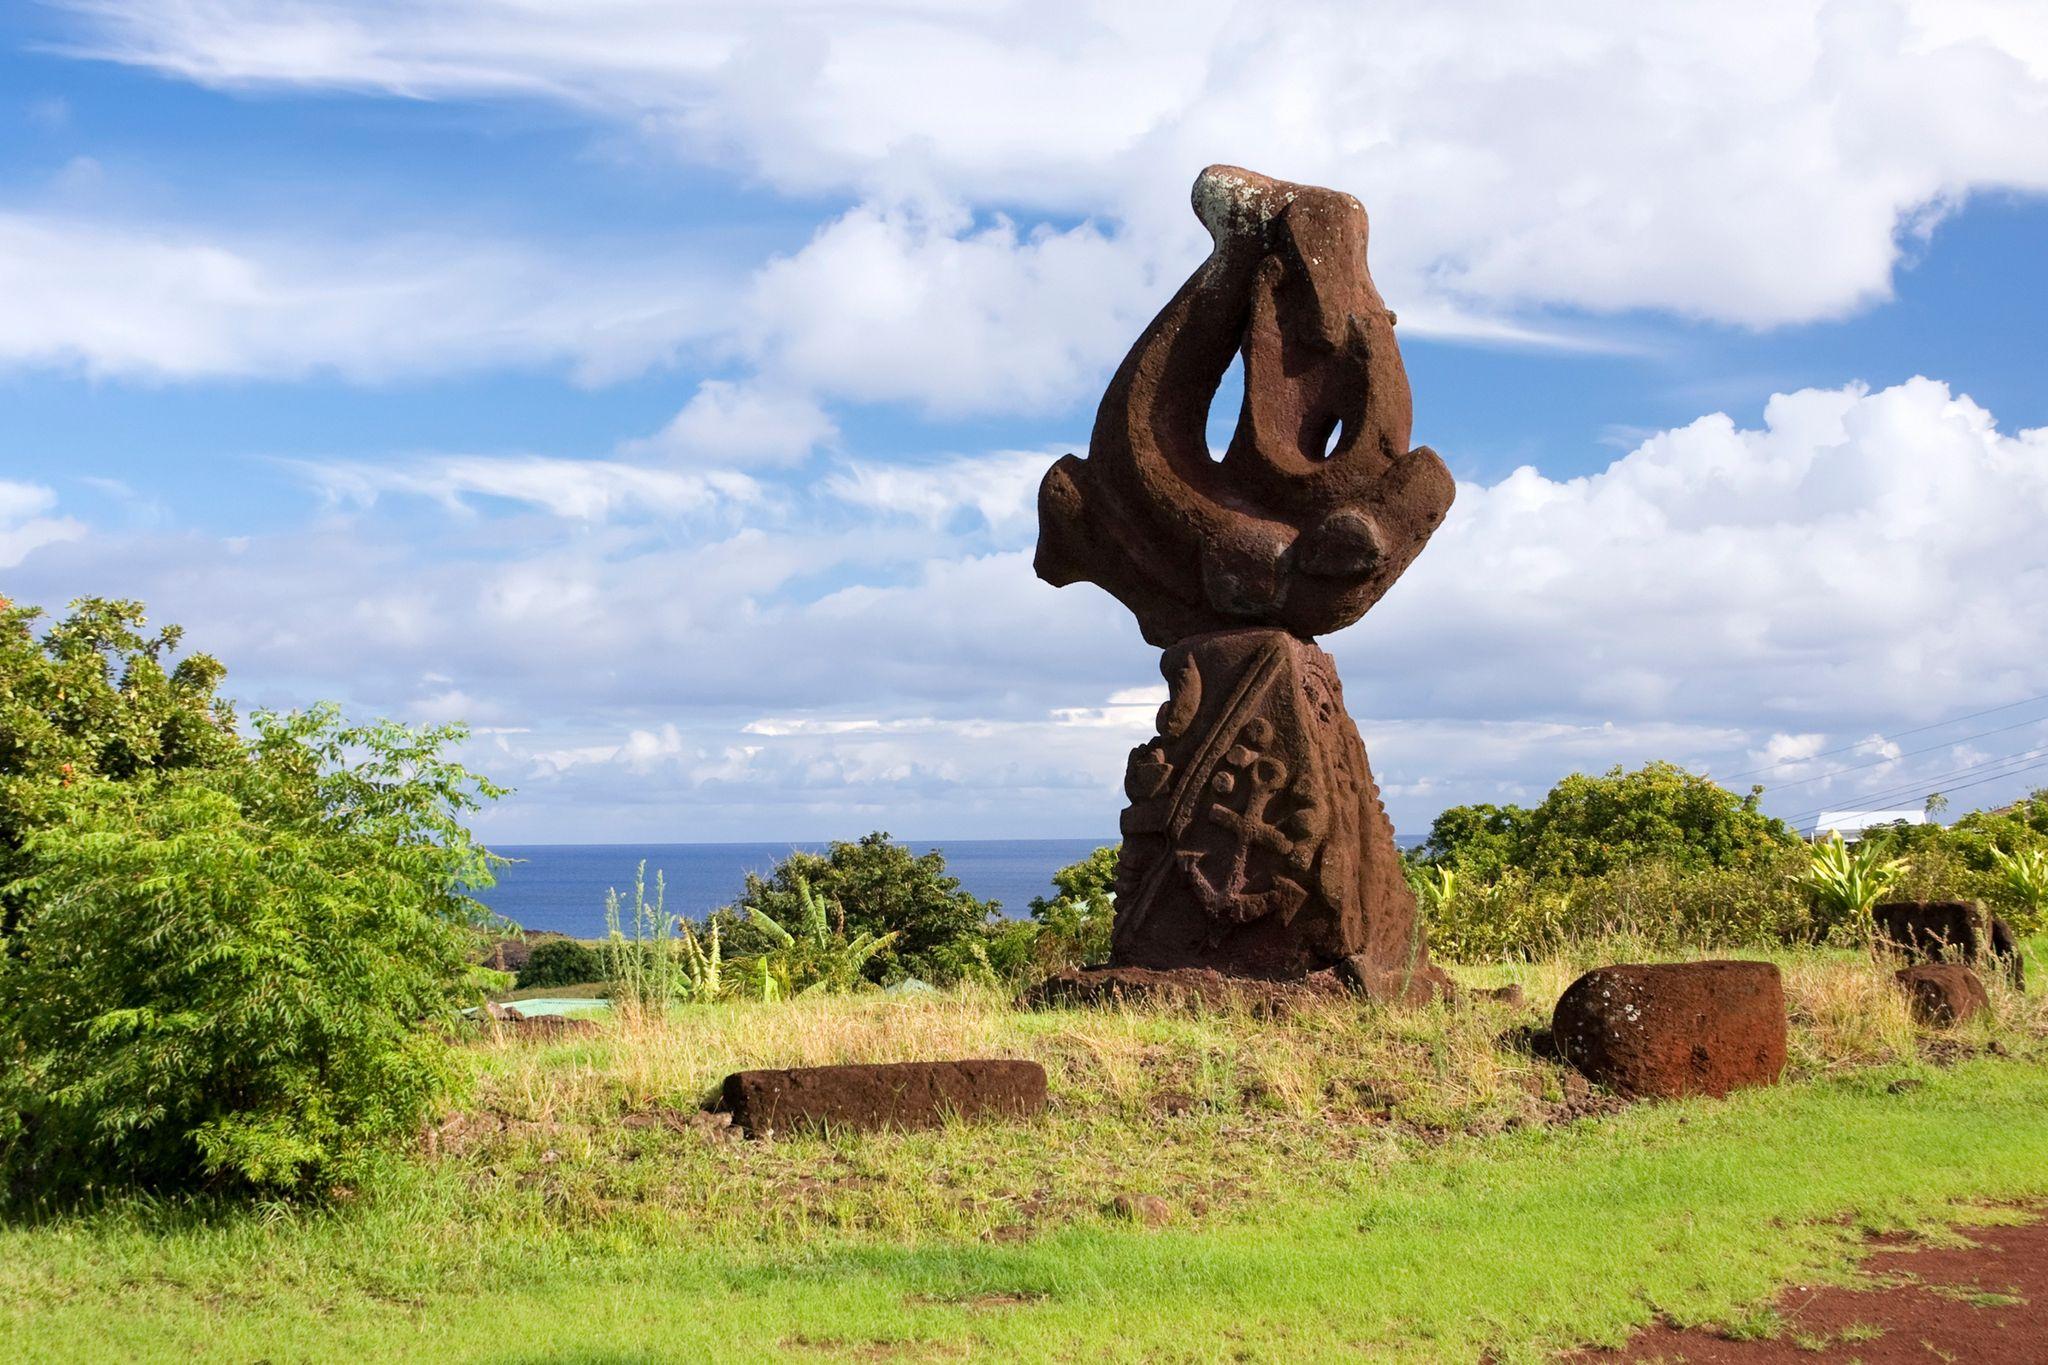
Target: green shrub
(878,887)
(1658,904)
(222,977)
(561,962)
(1074,925)
(1589,826)
(225,962)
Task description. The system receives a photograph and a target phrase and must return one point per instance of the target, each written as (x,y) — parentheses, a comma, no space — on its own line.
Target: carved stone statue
(1255,843)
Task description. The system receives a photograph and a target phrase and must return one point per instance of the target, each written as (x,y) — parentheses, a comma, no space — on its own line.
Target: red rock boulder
(866,1097)
(1662,1030)
(1943,992)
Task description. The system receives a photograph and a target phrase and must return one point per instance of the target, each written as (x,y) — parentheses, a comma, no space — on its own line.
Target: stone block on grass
(1663,1030)
(886,1095)
(1942,993)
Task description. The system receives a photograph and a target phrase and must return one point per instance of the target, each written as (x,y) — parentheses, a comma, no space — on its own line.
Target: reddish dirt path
(1987,1303)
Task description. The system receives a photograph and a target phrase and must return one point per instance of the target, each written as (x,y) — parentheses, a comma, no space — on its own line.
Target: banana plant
(813,957)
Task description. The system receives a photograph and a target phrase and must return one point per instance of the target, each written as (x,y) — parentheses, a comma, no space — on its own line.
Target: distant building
(1850,824)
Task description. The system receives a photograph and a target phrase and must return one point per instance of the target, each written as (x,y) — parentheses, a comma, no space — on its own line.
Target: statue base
(1255,844)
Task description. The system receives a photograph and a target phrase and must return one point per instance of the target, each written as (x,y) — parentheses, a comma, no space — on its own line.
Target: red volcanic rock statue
(1255,843)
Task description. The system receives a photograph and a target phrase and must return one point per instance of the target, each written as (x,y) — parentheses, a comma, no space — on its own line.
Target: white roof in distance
(1850,824)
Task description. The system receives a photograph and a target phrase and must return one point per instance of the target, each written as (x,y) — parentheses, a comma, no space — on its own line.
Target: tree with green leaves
(225,959)
(1074,924)
(876,887)
(1587,826)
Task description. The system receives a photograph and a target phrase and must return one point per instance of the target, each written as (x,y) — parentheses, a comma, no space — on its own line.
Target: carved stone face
(1318,504)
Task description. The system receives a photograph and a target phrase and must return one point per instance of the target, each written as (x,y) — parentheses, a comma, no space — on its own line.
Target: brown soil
(1987,1302)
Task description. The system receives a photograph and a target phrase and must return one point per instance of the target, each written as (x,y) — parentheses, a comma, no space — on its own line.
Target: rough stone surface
(1942,993)
(1958,931)
(1255,843)
(1662,1030)
(1318,504)
(867,1097)
(1195,988)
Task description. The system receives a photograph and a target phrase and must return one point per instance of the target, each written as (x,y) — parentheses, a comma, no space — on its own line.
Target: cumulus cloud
(1751,162)
(1732,598)
(731,423)
(1861,560)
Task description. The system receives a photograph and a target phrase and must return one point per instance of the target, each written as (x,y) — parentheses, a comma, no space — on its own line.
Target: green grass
(1352,1180)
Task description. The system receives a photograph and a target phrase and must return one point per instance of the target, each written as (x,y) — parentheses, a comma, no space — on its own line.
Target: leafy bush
(222,960)
(561,962)
(1074,925)
(1590,826)
(879,888)
(1660,905)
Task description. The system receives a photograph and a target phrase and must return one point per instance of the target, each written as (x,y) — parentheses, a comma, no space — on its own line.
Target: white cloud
(1751,162)
(580,490)
(923,304)
(23,527)
(176,304)
(726,423)
(1000,487)
(1860,563)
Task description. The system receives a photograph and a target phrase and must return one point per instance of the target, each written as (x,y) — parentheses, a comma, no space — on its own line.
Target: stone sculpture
(1255,843)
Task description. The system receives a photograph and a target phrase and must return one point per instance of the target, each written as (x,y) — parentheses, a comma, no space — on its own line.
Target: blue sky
(662,388)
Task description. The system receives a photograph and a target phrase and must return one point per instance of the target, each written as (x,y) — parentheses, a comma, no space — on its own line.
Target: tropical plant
(2026,876)
(1847,881)
(816,956)
(1434,887)
(877,887)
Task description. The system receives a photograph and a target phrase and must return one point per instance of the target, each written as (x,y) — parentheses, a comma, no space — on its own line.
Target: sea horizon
(560,887)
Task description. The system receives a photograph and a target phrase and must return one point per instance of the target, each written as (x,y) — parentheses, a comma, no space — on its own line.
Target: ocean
(560,887)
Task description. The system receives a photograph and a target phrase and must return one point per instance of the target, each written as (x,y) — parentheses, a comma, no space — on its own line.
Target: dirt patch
(1919,1304)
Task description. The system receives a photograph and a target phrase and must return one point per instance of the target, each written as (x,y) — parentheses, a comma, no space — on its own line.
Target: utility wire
(1911,753)
(1880,739)
(1937,782)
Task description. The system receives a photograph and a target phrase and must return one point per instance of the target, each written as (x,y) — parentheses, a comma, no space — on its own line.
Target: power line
(1937,781)
(1912,753)
(1932,781)
(1881,739)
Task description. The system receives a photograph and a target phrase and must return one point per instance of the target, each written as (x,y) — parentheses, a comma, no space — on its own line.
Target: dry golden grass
(1217,1111)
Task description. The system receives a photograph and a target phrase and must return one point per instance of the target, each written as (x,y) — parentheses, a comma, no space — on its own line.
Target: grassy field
(1415,1185)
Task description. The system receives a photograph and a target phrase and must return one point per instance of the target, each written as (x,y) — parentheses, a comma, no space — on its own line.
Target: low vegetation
(224,961)
(240,1111)
(1419,1183)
